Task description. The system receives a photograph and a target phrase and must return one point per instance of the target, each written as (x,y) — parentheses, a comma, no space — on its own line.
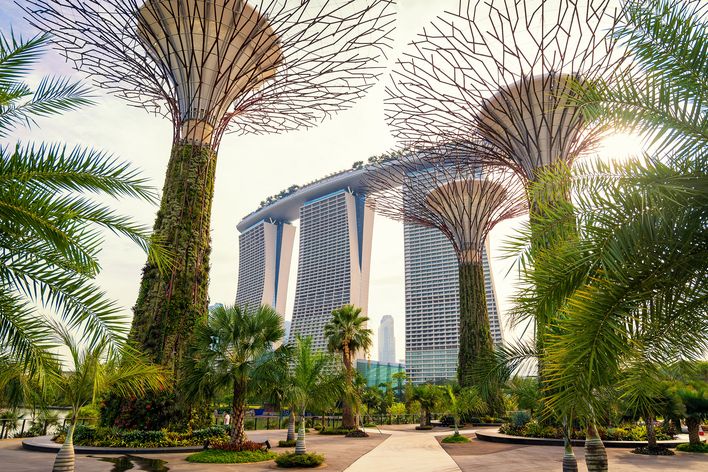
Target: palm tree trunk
(693,423)
(65,459)
(347,413)
(300,447)
(423,417)
(651,432)
(570,463)
(291,426)
(475,336)
(170,304)
(238,434)
(595,454)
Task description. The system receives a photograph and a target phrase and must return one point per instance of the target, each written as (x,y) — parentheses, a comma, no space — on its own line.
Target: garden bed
(494,436)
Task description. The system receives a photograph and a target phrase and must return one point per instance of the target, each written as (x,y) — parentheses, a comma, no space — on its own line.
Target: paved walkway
(407,451)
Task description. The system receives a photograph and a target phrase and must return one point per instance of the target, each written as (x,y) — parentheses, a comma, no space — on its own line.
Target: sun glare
(620,146)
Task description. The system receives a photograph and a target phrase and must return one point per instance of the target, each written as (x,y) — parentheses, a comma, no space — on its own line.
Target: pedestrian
(227,419)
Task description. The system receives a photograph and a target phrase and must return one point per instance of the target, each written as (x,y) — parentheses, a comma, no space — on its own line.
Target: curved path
(407,451)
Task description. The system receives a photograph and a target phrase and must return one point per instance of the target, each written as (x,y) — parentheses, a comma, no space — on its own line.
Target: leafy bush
(287,443)
(426,427)
(456,438)
(227,445)
(212,456)
(687,447)
(291,459)
(488,419)
(357,433)
(335,431)
(520,418)
(212,432)
(653,451)
(114,437)
(89,412)
(533,429)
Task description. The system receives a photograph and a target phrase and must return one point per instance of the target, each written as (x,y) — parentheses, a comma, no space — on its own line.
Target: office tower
(334,260)
(387,340)
(265,252)
(433,304)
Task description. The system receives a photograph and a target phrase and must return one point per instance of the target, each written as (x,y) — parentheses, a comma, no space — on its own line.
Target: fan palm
(347,334)
(98,370)
(233,350)
(50,231)
(463,401)
(428,397)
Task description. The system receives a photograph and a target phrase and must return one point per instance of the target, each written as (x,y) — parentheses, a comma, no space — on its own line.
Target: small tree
(428,397)
(234,350)
(463,401)
(98,370)
(347,334)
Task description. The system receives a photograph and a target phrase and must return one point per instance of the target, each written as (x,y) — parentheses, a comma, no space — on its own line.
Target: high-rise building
(334,259)
(265,252)
(387,340)
(433,304)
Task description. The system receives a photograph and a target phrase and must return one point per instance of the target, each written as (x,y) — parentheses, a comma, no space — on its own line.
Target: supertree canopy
(501,69)
(457,191)
(212,66)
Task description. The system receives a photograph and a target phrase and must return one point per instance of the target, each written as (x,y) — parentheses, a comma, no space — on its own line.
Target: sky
(249,169)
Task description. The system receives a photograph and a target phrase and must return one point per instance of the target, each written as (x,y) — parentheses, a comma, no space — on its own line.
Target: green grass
(686,447)
(213,456)
(291,459)
(456,438)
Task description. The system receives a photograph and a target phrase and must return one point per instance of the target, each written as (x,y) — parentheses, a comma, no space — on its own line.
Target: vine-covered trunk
(347,411)
(692,424)
(595,454)
(291,426)
(171,303)
(238,405)
(476,344)
(65,460)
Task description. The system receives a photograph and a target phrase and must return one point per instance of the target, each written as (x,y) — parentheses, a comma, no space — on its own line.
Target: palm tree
(316,382)
(50,231)
(463,401)
(233,350)
(429,397)
(98,370)
(640,225)
(347,334)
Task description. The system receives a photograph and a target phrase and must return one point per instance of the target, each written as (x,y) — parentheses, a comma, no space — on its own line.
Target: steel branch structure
(457,191)
(500,68)
(260,66)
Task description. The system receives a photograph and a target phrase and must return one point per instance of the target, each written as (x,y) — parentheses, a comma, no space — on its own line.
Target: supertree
(458,192)
(214,66)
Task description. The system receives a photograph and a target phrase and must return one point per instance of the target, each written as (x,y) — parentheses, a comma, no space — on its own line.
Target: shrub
(488,419)
(519,419)
(287,443)
(370,425)
(113,437)
(357,433)
(211,433)
(426,427)
(291,459)
(212,456)
(456,438)
(335,431)
(688,447)
(533,429)
(227,445)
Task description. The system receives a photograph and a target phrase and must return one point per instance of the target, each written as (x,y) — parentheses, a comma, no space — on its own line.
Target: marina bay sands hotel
(334,260)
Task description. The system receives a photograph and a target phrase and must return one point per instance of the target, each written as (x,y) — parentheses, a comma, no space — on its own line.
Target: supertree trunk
(475,337)
(170,304)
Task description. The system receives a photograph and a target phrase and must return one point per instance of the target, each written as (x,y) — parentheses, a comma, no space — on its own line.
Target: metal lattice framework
(213,66)
(500,69)
(449,187)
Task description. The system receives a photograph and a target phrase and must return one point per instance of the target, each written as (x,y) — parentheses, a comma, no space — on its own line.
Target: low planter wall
(494,436)
(45,444)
